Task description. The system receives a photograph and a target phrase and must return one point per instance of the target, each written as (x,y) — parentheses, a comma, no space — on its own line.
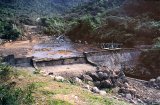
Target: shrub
(9,30)
(54,25)
(7,73)
(16,96)
(9,94)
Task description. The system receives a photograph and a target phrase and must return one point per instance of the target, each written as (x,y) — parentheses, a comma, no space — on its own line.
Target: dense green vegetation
(11,95)
(95,7)
(36,8)
(60,25)
(9,30)
(56,25)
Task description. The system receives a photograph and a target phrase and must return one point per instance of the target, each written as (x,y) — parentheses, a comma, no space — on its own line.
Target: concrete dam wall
(112,59)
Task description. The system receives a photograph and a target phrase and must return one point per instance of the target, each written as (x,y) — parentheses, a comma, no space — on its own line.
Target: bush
(7,73)
(8,30)
(16,96)
(11,32)
(54,25)
(9,94)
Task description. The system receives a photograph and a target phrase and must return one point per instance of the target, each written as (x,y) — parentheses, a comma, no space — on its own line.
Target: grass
(58,102)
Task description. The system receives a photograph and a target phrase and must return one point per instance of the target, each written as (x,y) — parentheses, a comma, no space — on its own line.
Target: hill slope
(38,7)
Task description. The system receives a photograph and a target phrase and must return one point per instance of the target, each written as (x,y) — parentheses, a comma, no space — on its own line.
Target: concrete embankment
(113,59)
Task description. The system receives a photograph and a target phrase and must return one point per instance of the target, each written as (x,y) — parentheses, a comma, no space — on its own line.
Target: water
(55,48)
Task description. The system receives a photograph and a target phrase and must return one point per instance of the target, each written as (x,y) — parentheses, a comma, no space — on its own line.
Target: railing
(111,46)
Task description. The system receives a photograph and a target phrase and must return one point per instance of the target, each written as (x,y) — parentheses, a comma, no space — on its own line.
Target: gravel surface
(145,93)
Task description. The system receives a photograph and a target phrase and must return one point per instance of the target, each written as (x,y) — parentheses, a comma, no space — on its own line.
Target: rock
(97,83)
(44,75)
(90,83)
(106,84)
(51,73)
(87,87)
(21,77)
(115,90)
(127,91)
(94,76)
(133,101)
(102,92)
(52,76)
(121,94)
(77,80)
(59,79)
(139,101)
(95,90)
(132,91)
(152,83)
(123,90)
(126,85)
(87,78)
(128,96)
(102,75)
(158,80)
(152,80)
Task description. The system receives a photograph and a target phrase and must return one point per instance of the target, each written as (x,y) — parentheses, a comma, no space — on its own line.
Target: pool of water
(55,49)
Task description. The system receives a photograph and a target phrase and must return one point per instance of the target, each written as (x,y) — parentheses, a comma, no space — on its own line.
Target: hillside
(130,22)
(40,8)
(95,7)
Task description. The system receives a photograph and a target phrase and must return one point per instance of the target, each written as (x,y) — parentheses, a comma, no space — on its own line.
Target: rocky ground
(129,89)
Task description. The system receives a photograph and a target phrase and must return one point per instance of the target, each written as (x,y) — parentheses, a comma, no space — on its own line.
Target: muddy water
(54,48)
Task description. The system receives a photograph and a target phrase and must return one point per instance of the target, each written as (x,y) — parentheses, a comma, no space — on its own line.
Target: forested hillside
(15,13)
(36,8)
(130,22)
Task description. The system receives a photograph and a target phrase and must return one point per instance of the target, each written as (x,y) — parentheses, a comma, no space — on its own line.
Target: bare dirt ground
(18,48)
(69,70)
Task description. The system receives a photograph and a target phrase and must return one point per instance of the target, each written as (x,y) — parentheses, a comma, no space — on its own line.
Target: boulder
(51,73)
(128,96)
(97,83)
(152,82)
(86,87)
(59,78)
(94,76)
(102,75)
(86,78)
(126,85)
(52,76)
(95,90)
(106,84)
(102,92)
(158,80)
(77,80)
